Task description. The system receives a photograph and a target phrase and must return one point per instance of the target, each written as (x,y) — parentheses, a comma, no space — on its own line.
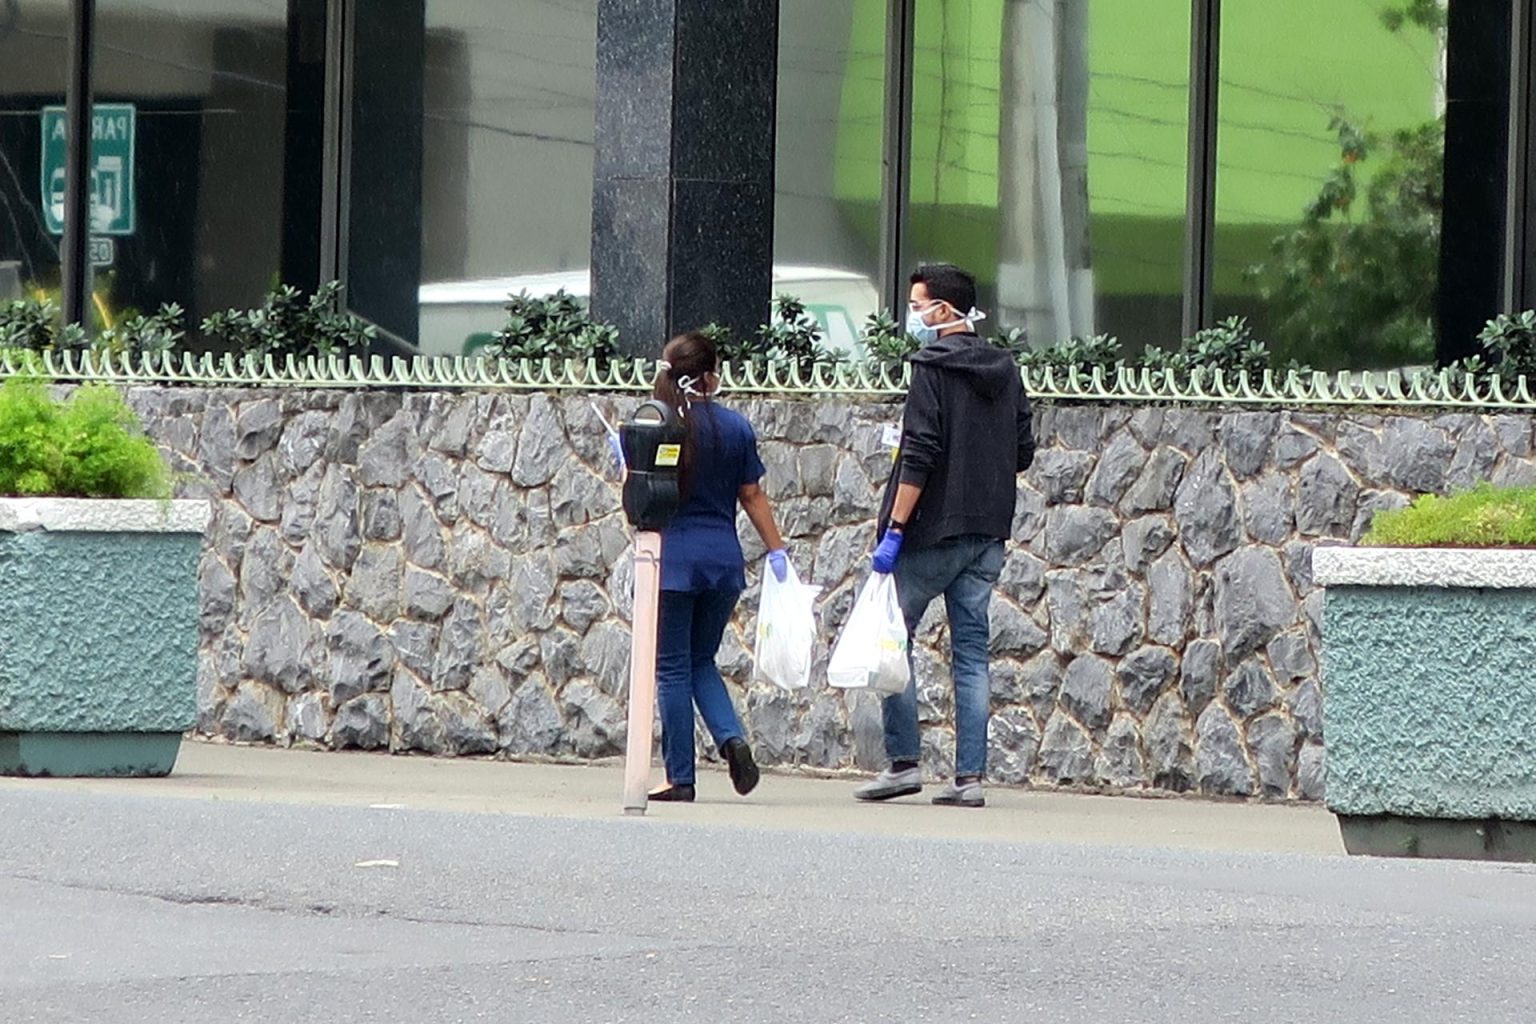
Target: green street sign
(113,207)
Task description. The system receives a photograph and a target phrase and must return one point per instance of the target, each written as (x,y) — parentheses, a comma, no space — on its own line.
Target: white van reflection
(461,317)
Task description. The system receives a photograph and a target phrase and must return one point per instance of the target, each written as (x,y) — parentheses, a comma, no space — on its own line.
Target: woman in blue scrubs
(703,571)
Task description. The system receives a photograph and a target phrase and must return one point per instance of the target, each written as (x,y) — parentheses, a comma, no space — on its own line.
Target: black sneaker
(744,773)
(672,794)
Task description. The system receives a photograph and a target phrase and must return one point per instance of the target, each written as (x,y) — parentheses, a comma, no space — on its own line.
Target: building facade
(1352,177)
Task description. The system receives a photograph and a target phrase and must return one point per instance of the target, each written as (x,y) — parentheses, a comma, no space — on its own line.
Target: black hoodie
(965,436)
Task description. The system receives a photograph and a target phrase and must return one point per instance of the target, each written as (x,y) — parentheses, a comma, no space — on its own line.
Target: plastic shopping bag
(872,652)
(786,630)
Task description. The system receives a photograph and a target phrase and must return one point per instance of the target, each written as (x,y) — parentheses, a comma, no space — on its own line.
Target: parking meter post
(642,671)
(652,442)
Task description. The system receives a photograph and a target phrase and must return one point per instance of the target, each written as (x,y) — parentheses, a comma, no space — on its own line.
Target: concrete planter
(98,634)
(1429,674)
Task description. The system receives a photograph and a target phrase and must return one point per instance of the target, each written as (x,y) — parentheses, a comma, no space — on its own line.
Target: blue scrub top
(700,550)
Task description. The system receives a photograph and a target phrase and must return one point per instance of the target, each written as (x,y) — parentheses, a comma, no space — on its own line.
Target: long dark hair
(686,360)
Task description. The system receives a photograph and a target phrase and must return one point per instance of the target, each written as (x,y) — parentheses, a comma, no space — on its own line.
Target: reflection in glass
(831,92)
(207,82)
(1048,156)
(33,67)
(1330,153)
(510,101)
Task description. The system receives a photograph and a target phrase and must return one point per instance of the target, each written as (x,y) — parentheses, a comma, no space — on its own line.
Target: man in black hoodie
(947,512)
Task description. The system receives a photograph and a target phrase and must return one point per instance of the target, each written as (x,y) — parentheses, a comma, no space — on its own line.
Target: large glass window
(831,94)
(1330,146)
(200,88)
(510,101)
(1048,157)
(34,58)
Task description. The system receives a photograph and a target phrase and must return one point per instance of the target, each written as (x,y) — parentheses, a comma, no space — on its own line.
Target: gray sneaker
(966,795)
(888,785)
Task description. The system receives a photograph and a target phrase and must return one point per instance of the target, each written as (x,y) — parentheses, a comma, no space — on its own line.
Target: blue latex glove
(885,555)
(617,449)
(778,561)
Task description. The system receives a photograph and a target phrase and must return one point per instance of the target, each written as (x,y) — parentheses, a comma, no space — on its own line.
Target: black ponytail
(685,362)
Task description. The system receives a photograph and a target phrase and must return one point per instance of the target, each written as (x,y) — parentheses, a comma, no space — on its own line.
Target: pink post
(642,671)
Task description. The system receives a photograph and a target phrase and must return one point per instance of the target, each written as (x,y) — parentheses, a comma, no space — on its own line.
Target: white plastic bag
(786,630)
(872,652)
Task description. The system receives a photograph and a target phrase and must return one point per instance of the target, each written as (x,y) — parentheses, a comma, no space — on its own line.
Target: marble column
(682,198)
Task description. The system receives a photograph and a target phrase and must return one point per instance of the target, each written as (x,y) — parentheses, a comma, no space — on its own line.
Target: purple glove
(885,555)
(778,561)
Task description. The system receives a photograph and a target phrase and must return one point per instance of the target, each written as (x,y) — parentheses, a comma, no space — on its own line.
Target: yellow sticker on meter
(668,454)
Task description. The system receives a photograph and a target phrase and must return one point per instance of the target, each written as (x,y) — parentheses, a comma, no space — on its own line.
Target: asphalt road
(135,908)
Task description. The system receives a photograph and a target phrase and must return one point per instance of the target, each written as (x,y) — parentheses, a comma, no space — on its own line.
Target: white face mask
(927,334)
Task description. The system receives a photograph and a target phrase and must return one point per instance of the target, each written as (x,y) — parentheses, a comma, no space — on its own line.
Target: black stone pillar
(304,144)
(682,197)
(383,201)
(1476,173)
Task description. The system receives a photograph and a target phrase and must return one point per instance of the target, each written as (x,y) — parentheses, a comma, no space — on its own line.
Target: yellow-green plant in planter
(98,589)
(1429,676)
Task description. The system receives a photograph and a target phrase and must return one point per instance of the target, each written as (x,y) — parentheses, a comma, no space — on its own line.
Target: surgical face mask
(927,334)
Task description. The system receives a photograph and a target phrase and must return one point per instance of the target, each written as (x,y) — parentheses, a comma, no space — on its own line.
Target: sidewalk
(213,771)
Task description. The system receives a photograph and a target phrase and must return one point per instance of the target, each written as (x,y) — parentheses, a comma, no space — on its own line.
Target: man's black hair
(949,283)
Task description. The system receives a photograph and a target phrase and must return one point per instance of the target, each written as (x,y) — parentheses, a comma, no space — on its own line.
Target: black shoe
(744,773)
(672,794)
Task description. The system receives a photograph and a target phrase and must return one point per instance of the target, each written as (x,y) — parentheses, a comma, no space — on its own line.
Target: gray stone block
(595,722)
(1085,690)
(1205,508)
(1120,762)
(1060,475)
(362,723)
(1273,741)
(1013,743)
(1143,675)
(1253,601)
(1249,689)
(1201,675)
(1155,488)
(1116,625)
(253,715)
(361,657)
(1066,752)
(1118,467)
(1074,533)
(1268,509)
(531,722)
(1325,498)
(1221,766)
(1170,745)
(281,648)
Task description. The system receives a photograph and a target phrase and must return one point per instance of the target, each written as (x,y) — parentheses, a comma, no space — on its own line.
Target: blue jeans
(689,637)
(964,570)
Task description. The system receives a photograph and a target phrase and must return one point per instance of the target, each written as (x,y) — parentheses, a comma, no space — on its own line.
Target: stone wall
(449,573)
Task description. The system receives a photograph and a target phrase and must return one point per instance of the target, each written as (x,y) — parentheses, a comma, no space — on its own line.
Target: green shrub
(1098,351)
(1229,346)
(1484,516)
(288,323)
(35,325)
(556,326)
(87,446)
(791,336)
(1510,342)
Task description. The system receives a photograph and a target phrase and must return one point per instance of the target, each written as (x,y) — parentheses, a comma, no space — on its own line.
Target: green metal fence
(1427,389)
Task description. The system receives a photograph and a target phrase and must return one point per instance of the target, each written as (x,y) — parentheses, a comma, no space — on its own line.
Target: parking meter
(652,442)
(653,449)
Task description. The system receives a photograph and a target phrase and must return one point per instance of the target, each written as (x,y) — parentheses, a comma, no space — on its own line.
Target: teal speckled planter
(98,634)
(1429,673)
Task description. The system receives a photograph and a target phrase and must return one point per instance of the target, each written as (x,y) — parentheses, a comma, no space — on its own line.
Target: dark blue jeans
(964,570)
(689,638)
